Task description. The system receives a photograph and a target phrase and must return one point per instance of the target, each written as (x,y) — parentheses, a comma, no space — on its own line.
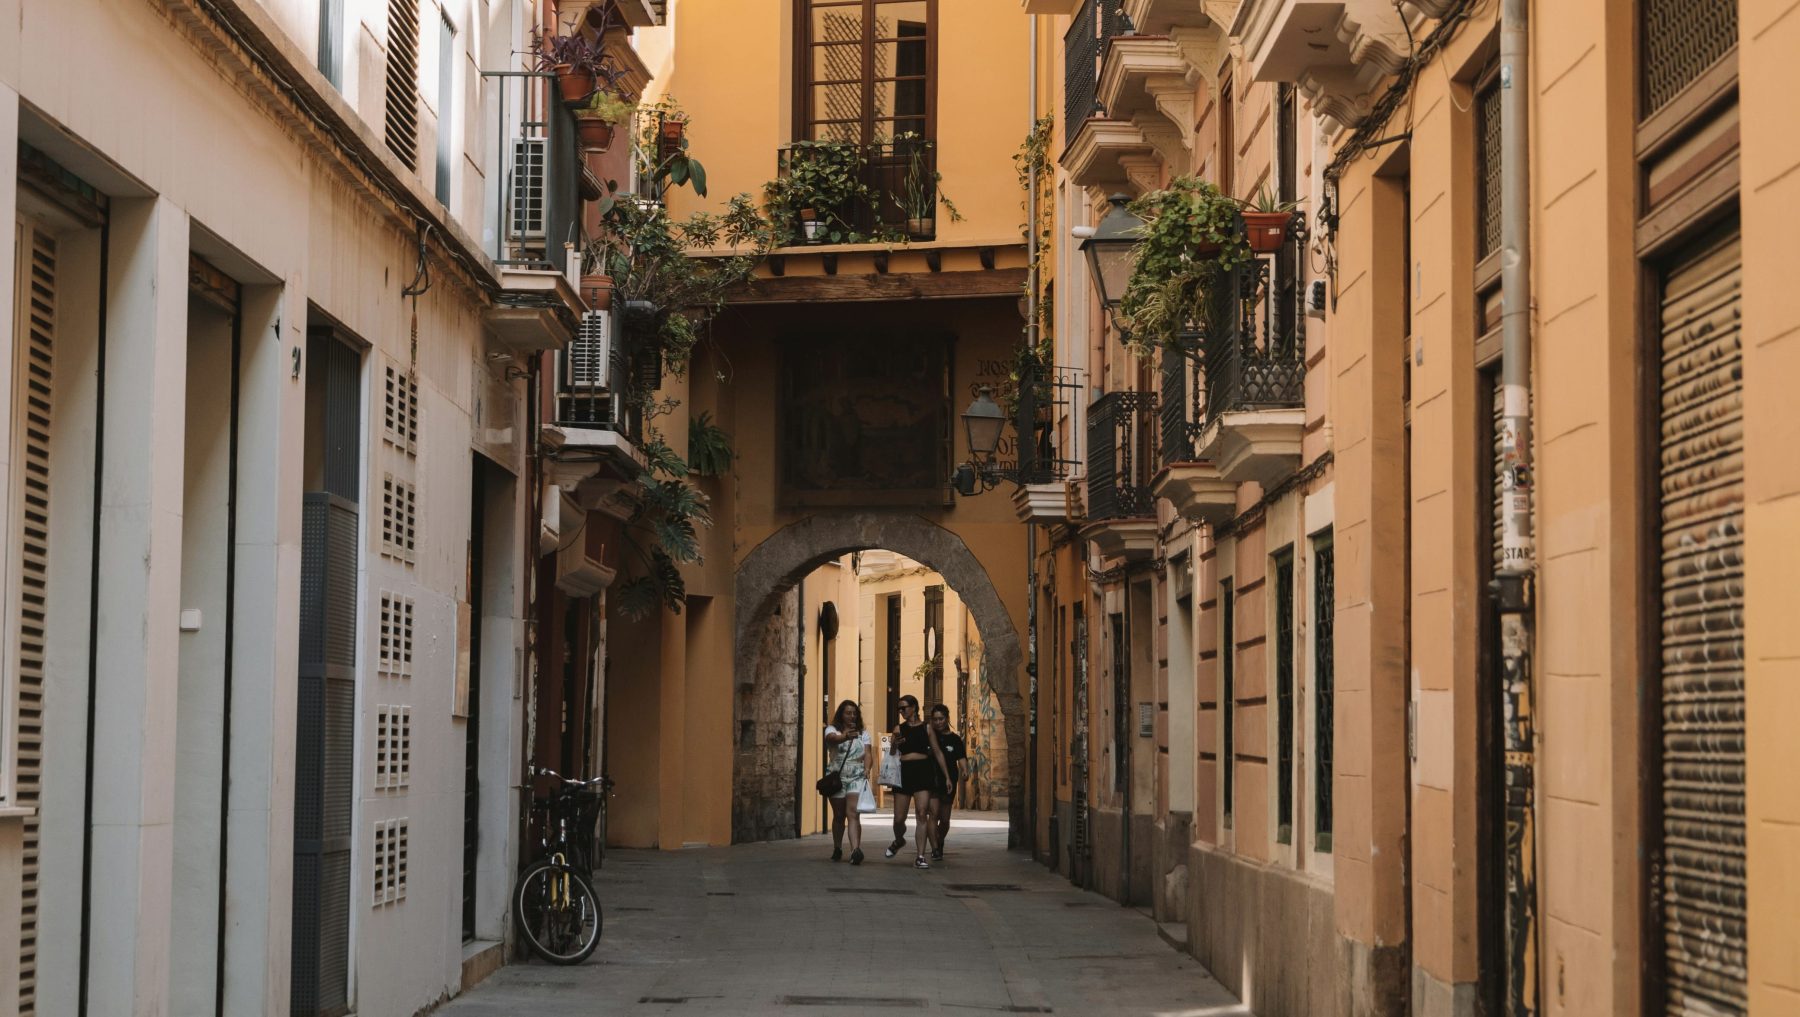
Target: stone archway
(768,574)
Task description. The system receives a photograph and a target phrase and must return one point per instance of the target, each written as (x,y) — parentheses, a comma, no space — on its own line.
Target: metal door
(1699,881)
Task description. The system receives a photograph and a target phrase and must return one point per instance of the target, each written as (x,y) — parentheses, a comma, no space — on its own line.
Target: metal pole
(1031,337)
(1513,583)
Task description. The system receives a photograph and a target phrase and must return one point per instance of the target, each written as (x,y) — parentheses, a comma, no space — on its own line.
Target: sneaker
(856,857)
(837,854)
(921,863)
(894,848)
(937,855)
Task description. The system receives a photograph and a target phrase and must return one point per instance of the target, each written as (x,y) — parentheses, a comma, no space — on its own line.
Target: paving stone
(778,928)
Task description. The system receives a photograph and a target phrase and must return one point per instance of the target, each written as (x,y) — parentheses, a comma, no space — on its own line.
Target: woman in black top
(922,771)
(943,798)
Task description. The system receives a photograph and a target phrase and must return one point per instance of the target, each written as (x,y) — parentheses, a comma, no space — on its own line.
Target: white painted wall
(190,155)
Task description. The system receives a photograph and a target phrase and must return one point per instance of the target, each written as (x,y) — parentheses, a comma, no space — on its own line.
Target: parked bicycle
(554,902)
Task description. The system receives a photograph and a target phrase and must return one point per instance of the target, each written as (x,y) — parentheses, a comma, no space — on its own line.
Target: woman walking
(922,771)
(848,748)
(944,798)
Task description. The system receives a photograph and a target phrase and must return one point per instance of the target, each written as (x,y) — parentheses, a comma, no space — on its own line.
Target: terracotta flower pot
(1267,231)
(597,290)
(576,85)
(596,134)
(668,137)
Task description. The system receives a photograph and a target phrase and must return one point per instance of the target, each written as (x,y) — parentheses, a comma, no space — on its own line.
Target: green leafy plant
(922,187)
(608,106)
(709,447)
(1190,238)
(824,178)
(676,167)
(1265,201)
(663,534)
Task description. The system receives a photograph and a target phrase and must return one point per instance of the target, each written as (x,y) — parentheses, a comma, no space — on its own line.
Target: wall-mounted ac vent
(590,355)
(389,858)
(530,190)
(400,411)
(399,519)
(394,649)
(393,748)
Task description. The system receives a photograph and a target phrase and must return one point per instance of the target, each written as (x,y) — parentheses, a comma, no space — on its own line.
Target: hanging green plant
(1192,236)
(709,447)
(662,535)
(813,199)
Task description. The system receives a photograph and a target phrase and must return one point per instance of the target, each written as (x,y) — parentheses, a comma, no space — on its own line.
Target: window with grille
(1227,695)
(400,410)
(1284,696)
(867,69)
(1324,623)
(403,81)
(394,649)
(389,862)
(393,748)
(1487,168)
(1681,40)
(399,519)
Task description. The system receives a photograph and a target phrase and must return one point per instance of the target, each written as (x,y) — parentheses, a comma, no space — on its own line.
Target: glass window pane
(842,23)
(900,59)
(842,62)
(903,98)
(897,19)
(837,102)
(835,132)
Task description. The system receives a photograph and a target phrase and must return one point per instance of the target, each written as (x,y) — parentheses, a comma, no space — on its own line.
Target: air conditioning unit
(590,354)
(530,189)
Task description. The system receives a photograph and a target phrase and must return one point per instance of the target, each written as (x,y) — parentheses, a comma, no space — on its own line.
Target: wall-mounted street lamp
(1109,254)
(983,423)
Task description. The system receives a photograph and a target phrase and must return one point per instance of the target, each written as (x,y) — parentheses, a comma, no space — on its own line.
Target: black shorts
(919,775)
(945,795)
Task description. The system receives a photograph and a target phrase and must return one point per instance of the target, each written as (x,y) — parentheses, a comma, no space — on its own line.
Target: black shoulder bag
(832,784)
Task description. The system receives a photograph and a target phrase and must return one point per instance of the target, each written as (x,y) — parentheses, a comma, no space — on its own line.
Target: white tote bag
(890,765)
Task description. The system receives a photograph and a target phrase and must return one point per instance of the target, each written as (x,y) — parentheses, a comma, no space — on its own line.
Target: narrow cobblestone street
(778,929)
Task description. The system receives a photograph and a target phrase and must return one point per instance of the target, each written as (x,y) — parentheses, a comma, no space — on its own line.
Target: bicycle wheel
(558,912)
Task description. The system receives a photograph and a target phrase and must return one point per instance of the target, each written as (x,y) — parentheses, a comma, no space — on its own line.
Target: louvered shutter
(1701,620)
(29,504)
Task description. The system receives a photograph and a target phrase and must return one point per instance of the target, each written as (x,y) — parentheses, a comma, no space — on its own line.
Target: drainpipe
(1031,336)
(1513,582)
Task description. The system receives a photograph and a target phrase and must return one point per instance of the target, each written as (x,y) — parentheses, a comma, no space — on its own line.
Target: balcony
(1194,487)
(1121,455)
(894,196)
(536,205)
(1045,404)
(1101,148)
(1254,359)
(590,439)
(1337,53)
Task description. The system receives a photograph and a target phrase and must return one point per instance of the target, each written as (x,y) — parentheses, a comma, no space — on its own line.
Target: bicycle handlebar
(603,782)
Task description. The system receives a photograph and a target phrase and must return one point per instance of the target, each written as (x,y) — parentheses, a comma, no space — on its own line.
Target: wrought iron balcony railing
(1121,455)
(1181,406)
(1045,396)
(1084,46)
(1253,346)
(896,190)
(536,194)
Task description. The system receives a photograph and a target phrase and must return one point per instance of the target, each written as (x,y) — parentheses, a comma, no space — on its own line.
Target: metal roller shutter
(29,553)
(1701,617)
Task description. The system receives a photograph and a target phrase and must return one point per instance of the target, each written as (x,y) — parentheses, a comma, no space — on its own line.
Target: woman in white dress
(848,752)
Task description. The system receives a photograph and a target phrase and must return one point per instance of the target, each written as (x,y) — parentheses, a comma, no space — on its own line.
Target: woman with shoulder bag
(848,748)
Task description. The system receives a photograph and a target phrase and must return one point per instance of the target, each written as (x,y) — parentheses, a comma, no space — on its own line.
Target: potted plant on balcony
(922,188)
(820,183)
(579,65)
(1266,221)
(666,166)
(1190,238)
(597,118)
(671,130)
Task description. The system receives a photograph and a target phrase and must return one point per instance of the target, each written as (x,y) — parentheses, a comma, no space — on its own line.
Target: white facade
(209,132)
